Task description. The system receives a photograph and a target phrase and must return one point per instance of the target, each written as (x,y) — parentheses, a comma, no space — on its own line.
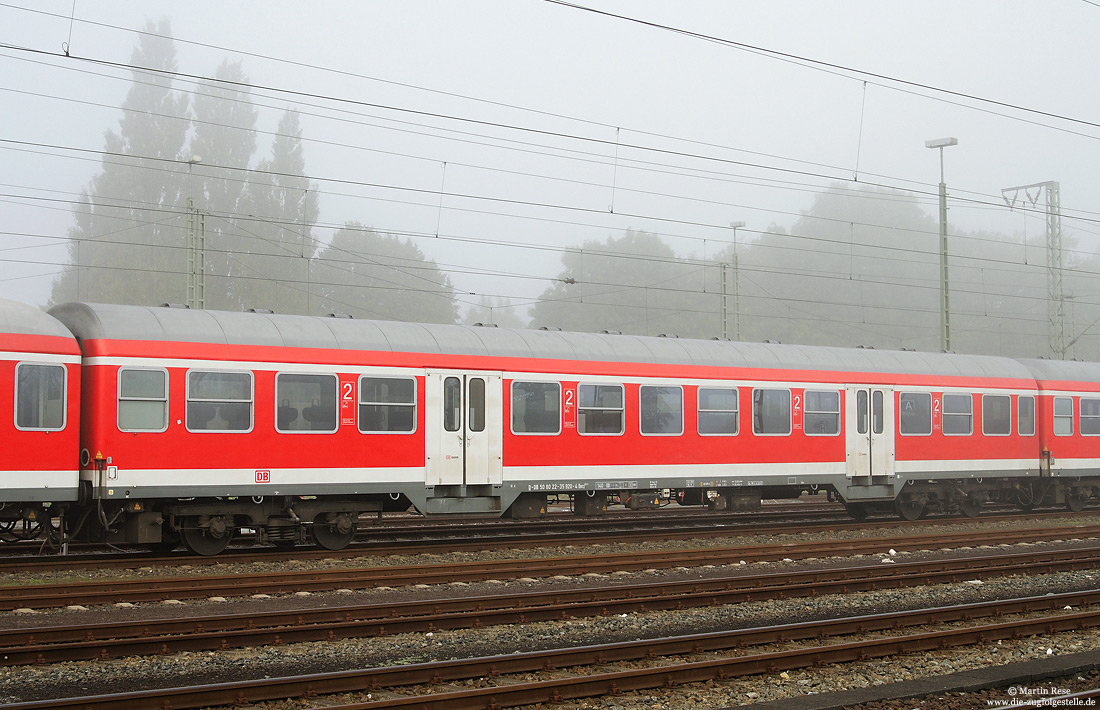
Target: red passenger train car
(194,424)
(40,424)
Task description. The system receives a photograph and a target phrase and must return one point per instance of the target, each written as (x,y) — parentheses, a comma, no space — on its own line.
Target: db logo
(263,476)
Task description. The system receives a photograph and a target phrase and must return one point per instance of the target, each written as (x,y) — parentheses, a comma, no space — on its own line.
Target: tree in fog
(225,138)
(861,267)
(126,245)
(634,283)
(279,209)
(370,275)
(858,268)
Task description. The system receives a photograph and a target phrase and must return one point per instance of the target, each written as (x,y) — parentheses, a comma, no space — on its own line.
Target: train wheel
(334,534)
(206,534)
(909,508)
(1075,501)
(970,506)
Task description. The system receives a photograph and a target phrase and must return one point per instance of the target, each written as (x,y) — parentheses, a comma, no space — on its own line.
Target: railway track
(50,644)
(482,535)
(197,587)
(479,683)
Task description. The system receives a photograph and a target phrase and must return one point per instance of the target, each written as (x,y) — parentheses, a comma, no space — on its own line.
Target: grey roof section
(20,318)
(1069,370)
(99,321)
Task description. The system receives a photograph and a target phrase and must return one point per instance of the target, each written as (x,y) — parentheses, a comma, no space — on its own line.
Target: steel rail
(490,669)
(163,636)
(483,535)
(195,587)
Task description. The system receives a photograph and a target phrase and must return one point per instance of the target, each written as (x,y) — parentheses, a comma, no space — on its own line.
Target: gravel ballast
(20,684)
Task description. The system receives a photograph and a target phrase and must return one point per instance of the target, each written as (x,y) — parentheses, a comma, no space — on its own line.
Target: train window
(452,404)
(996,415)
(822,414)
(536,408)
(387,404)
(39,397)
(600,409)
(1063,416)
(916,413)
(1090,417)
(475,395)
(219,401)
(861,411)
(142,399)
(771,412)
(661,410)
(958,414)
(305,403)
(1025,415)
(876,412)
(718,411)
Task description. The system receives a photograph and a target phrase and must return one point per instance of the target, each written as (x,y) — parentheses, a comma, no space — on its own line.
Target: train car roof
(1049,371)
(90,321)
(20,319)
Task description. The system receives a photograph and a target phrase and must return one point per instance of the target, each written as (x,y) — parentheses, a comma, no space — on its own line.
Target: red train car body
(40,388)
(195,423)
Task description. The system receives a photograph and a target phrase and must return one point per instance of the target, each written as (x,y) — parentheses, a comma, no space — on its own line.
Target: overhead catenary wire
(830,66)
(650,217)
(838,174)
(433,193)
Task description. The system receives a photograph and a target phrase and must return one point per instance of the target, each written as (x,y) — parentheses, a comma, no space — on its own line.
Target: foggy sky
(536,65)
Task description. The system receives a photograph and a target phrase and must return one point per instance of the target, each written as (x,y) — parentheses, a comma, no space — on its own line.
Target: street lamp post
(945,290)
(736,291)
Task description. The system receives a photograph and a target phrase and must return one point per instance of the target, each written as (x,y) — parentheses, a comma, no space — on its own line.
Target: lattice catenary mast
(1056,297)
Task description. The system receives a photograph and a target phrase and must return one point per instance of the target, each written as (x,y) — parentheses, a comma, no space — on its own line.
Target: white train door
(464,421)
(869,427)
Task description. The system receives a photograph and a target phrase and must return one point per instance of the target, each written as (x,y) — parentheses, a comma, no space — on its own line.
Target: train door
(464,421)
(869,427)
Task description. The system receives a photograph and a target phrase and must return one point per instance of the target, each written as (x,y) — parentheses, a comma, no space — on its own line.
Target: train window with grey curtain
(600,409)
(1090,417)
(1063,416)
(958,414)
(387,404)
(142,399)
(718,411)
(822,413)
